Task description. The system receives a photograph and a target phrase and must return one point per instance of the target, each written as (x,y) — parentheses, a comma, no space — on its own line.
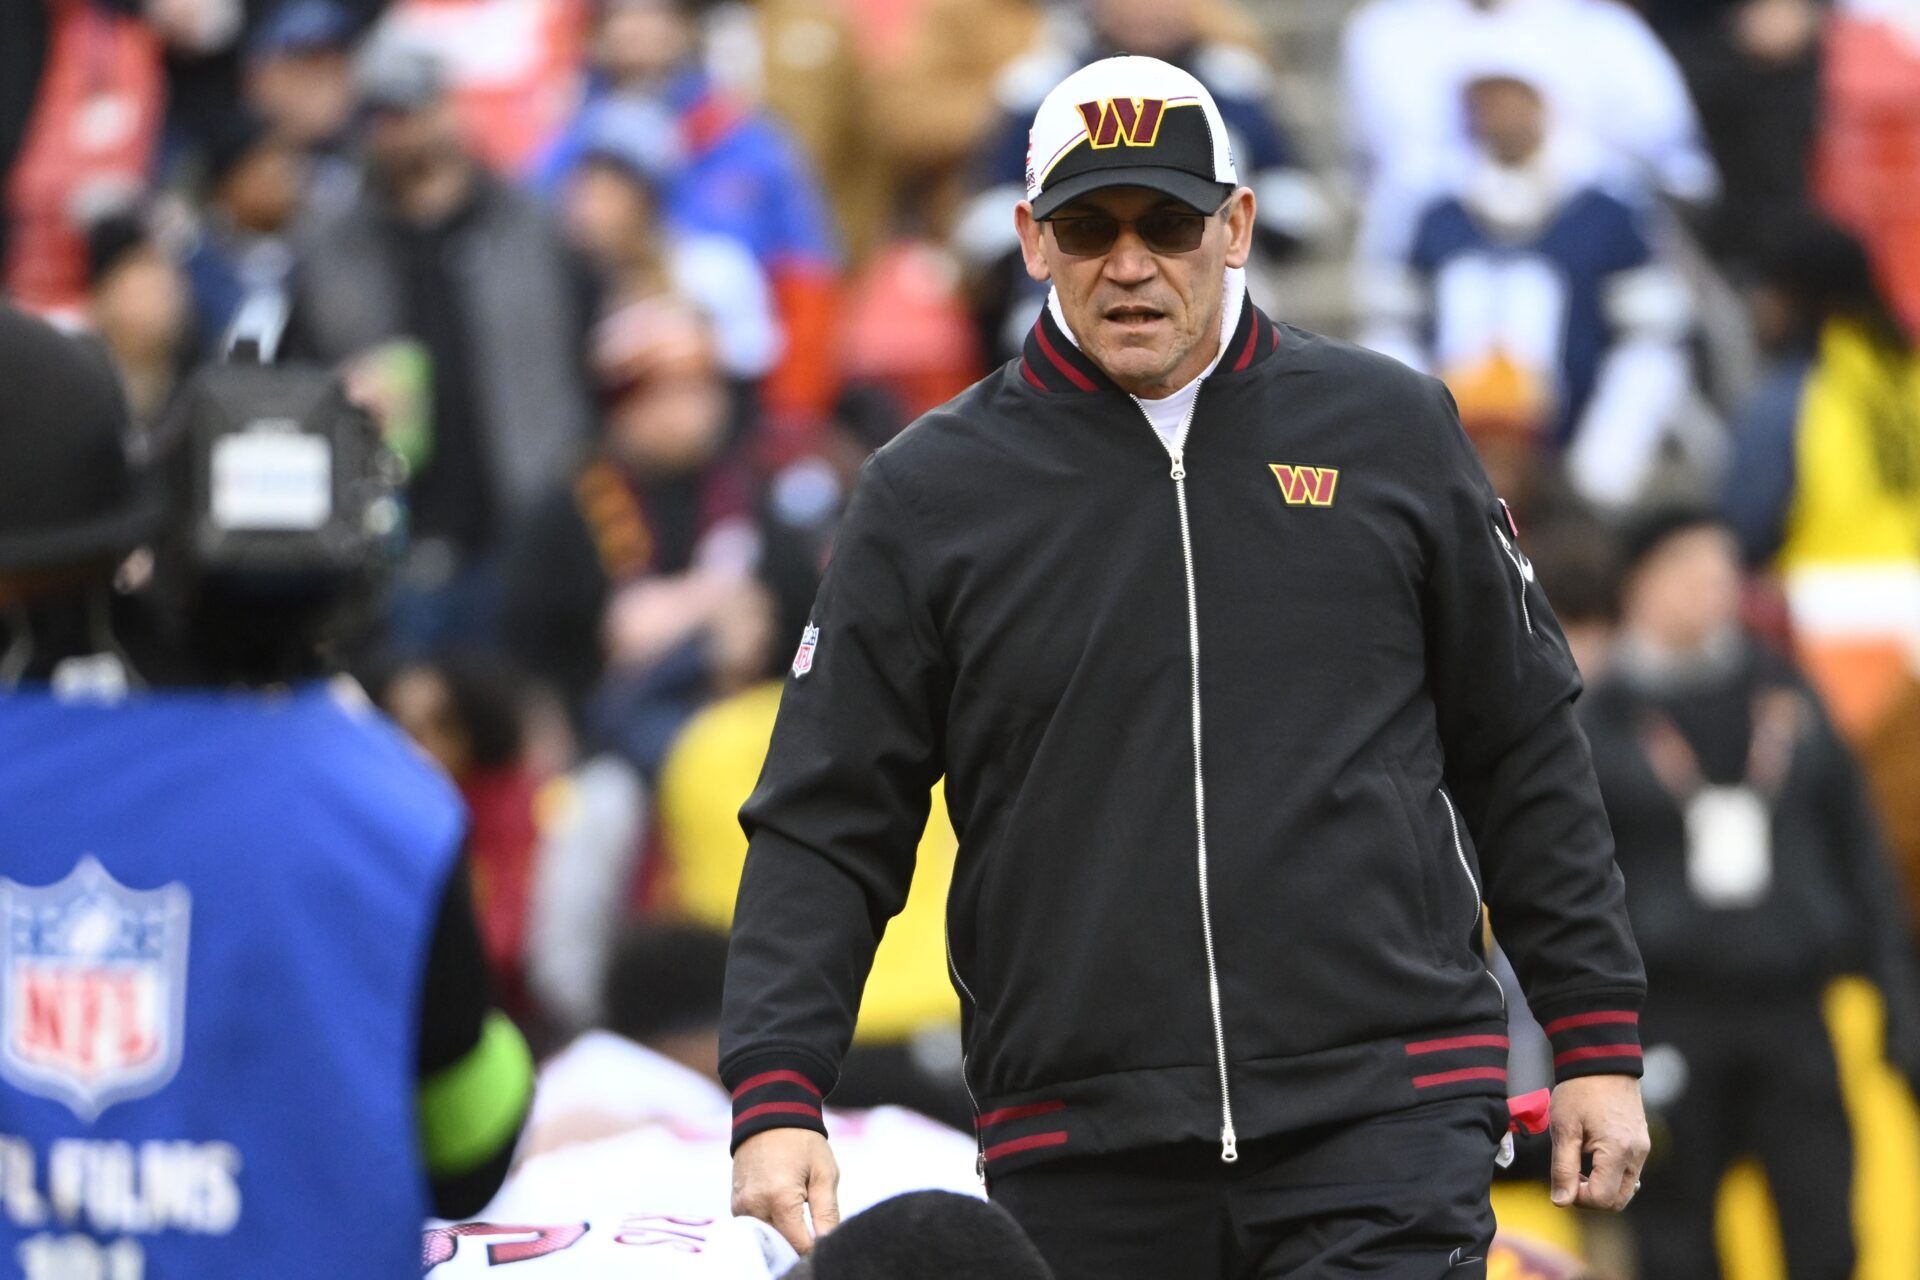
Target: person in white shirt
(1405,64)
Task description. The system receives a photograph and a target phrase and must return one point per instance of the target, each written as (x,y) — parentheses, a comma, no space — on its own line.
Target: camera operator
(244,1027)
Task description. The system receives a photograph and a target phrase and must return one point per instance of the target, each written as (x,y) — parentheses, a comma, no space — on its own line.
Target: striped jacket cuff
(1593,1037)
(776,1091)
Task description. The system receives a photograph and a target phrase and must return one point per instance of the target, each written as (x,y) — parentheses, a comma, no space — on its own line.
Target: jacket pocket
(1449,874)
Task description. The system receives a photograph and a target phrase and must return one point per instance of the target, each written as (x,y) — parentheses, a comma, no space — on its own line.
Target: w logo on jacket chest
(1306,486)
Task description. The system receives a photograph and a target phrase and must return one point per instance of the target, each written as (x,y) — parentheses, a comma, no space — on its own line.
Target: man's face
(608,216)
(1508,118)
(402,144)
(641,41)
(1155,28)
(308,96)
(1687,591)
(264,191)
(1150,319)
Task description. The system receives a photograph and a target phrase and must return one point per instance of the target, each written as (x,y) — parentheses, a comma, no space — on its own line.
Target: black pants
(1760,1079)
(1401,1196)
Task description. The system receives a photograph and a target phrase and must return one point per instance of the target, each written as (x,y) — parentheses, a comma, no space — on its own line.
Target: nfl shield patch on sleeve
(803,659)
(93,988)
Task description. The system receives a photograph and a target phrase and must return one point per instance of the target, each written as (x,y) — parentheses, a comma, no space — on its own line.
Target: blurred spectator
(90,139)
(1292,210)
(241,260)
(1867,161)
(1755,874)
(510,64)
(299,79)
(467,711)
(593,820)
(1891,756)
(471,276)
(639,567)
(906,1045)
(1825,481)
(139,305)
(1754,70)
(908,329)
(1405,64)
(811,65)
(935,102)
(611,205)
(1537,293)
(737,174)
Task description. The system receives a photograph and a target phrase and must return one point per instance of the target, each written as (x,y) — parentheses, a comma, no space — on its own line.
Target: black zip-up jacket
(1235,738)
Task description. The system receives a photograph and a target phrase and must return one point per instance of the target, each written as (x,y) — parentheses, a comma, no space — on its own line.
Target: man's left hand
(1602,1115)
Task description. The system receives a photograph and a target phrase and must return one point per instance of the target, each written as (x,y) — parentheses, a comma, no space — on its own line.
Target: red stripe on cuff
(1006,1114)
(1457,1042)
(766,1078)
(776,1109)
(1464,1073)
(1074,376)
(1596,1051)
(1573,1020)
(1014,1146)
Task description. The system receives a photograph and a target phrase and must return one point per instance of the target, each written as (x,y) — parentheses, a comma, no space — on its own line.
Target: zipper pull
(980,1166)
(1179,469)
(1229,1145)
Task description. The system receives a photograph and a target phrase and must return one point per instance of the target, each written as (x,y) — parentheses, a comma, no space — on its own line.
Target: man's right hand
(781,1172)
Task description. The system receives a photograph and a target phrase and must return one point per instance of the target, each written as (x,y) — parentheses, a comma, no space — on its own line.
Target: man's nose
(1130,261)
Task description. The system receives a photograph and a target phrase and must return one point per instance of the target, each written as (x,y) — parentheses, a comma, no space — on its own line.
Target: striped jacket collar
(1050,362)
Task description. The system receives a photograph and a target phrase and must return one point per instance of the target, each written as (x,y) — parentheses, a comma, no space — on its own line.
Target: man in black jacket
(1758,876)
(1216,919)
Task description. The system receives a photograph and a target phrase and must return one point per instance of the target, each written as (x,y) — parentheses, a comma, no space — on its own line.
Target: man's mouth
(1133,315)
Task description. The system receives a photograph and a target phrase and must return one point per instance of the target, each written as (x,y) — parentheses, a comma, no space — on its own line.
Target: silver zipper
(1459,851)
(979,1139)
(1453,821)
(1522,569)
(1176,453)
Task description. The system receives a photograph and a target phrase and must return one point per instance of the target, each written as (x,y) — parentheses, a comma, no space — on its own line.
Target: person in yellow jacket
(906,1048)
(1825,482)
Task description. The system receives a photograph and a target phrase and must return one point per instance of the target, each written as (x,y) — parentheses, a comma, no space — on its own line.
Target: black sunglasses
(1088,235)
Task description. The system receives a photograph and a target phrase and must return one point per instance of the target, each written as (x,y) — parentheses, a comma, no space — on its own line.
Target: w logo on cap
(1130,122)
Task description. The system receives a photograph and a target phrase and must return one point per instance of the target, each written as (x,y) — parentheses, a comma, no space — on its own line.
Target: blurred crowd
(634,286)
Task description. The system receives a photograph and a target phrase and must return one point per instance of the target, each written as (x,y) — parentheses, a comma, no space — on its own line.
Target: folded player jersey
(653,1246)
(632,1177)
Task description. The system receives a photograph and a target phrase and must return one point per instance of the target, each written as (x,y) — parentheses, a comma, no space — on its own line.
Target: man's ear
(1240,211)
(1032,251)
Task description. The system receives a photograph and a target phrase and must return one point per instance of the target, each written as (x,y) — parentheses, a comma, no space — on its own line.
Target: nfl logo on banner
(803,660)
(93,988)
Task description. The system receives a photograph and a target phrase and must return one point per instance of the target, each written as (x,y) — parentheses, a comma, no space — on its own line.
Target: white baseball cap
(1129,121)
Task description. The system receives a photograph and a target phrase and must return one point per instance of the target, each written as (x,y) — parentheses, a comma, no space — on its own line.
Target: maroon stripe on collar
(1052,353)
(1253,334)
(1051,362)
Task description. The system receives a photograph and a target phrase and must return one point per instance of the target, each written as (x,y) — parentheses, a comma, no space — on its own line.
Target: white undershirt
(1168,414)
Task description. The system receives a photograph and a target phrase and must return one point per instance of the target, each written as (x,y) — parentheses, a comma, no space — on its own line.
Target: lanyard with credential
(1729,828)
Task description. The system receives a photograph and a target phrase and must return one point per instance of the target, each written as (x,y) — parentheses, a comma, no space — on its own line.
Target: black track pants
(1401,1196)
(1760,1079)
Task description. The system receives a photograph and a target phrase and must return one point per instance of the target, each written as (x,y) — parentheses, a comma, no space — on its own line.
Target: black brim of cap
(1203,194)
(104,538)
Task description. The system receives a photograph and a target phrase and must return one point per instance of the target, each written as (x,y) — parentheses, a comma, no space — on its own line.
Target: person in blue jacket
(244,1024)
